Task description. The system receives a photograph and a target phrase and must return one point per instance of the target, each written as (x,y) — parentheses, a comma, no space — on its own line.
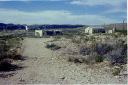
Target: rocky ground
(45,66)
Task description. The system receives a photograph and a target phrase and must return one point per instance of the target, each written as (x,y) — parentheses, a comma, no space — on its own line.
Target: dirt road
(43,66)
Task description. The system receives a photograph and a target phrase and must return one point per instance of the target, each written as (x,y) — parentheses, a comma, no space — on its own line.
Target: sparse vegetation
(124,32)
(56,38)
(116,71)
(97,48)
(52,46)
(9,51)
(99,59)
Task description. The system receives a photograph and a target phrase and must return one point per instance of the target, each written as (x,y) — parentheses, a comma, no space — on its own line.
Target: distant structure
(109,30)
(124,24)
(26,28)
(117,26)
(52,32)
(38,33)
(94,29)
(114,28)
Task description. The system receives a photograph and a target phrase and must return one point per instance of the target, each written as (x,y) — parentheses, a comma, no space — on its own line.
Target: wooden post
(123,24)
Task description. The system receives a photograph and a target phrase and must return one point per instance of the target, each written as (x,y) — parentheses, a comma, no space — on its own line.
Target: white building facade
(38,33)
(111,30)
(91,30)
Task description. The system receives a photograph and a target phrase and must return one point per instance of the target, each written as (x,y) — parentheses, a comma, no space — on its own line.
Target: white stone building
(111,30)
(91,30)
(38,33)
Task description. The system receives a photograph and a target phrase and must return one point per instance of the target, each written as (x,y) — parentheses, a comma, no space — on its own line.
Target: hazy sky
(63,11)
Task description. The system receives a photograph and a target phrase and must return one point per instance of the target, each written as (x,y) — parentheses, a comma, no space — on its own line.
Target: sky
(86,12)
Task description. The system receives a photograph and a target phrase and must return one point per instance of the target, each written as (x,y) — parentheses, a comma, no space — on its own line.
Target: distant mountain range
(11,26)
(55,26)
(32,27)
(3,26)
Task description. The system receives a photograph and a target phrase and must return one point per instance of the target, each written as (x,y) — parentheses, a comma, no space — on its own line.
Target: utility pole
(123,24)
(104,25)
(115,28)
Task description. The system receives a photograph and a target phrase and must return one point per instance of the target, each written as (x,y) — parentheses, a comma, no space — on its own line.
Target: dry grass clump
(92,49)
(53,46)
(97,48)
(10,49)
(116,70)
(85,54)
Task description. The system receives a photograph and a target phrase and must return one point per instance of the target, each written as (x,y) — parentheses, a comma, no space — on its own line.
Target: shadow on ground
(20,57)
(7,69)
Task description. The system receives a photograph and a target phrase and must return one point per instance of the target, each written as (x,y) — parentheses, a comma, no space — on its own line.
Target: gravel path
(43,66)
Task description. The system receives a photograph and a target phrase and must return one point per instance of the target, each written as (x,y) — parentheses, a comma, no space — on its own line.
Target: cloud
(97,2)
(115,10)
(30,0)
(113,6)
(50,17)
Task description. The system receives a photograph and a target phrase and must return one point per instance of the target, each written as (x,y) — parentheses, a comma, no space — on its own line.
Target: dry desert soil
(43,66)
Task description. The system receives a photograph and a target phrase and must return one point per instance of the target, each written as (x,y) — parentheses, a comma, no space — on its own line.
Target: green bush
(56,38)
(52,46)
(77,41)
(116,71)
(99,59)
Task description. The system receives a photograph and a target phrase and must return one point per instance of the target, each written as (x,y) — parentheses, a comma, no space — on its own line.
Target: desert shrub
(74,40)
(53,46)
(15,54)
(114,54)
(56,38)
(74,58)
(91,58)
(92,38)
(68,35)
(85,50)
(90,53)
(99,58)
(116,71)
(102,49)
(14,42)
(86,38)
(120,43)
(4,48)
(124,32)
(112,47)
(124,50)
(117,56)
(81,59)
(6,55)
(115,35)
(88,59)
